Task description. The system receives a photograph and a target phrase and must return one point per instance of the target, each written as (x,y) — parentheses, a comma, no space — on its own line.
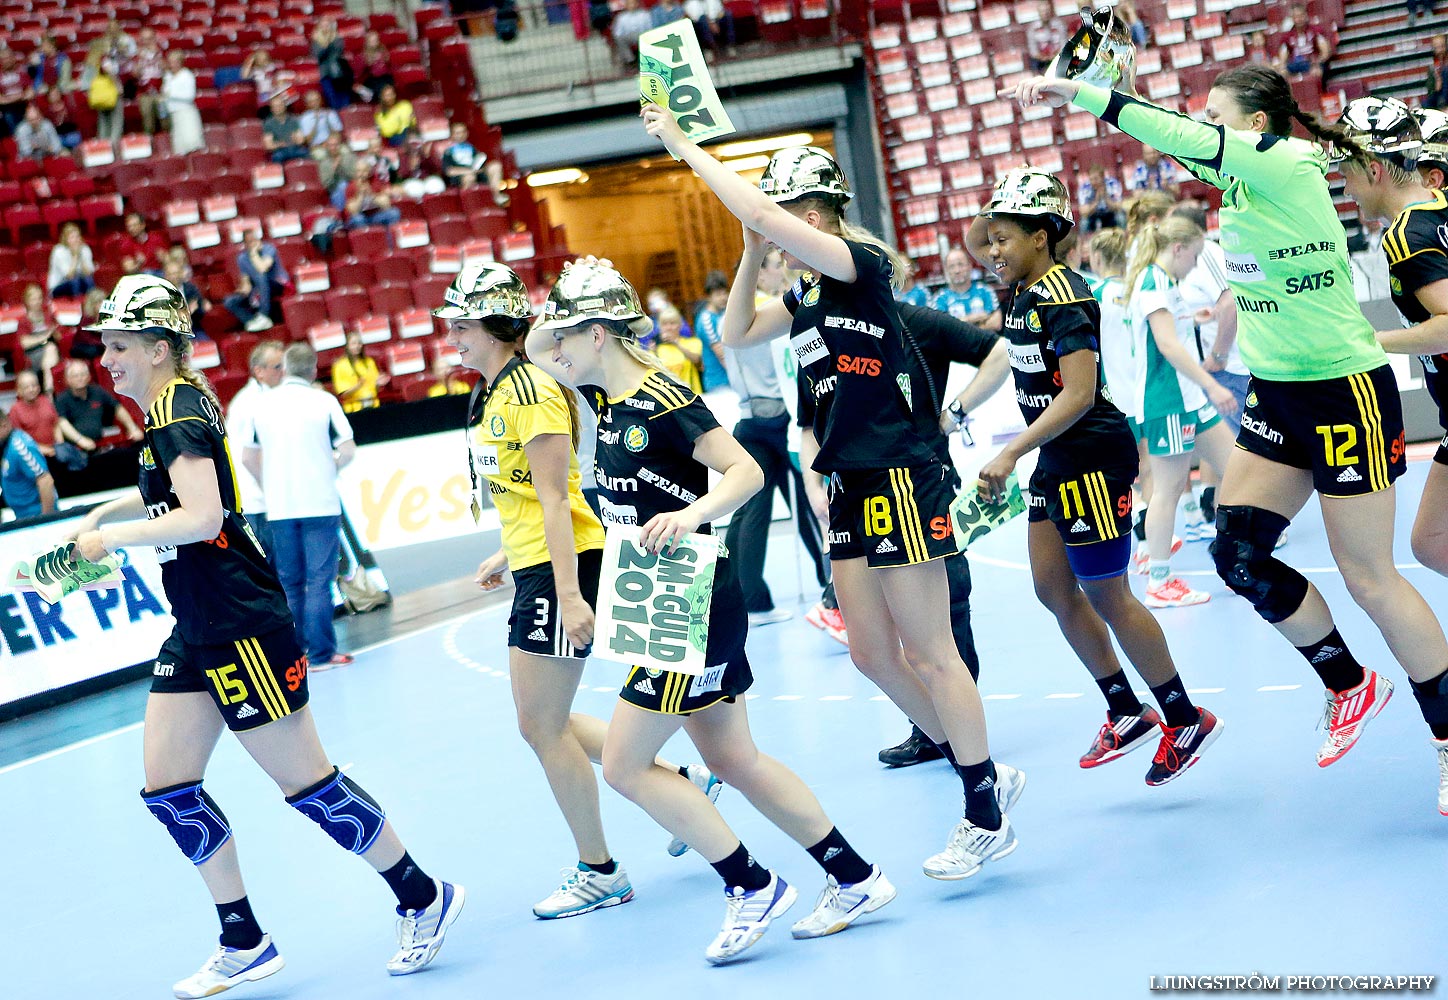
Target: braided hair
(1262,88)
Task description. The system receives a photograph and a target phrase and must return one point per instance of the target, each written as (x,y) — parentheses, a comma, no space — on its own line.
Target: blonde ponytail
(1110,244)
(1152,240)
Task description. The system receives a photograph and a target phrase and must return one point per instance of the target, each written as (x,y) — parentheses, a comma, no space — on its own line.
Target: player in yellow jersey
(522,433)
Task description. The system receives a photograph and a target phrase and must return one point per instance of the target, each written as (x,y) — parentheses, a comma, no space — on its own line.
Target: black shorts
(1441,455)
(534,624)
(892,517)
(253,681)
(728,674)
(1085,507)
(1347,431)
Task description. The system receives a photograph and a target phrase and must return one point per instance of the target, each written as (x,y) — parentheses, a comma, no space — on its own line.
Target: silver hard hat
(1434,126)
(585,292)
(797,171)
(141,302)
(483,289)
(1385,127)
(1025,191)
(1100,52)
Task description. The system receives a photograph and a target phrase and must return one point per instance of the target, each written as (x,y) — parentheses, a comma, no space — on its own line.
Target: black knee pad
(1242,554)
(1432,697)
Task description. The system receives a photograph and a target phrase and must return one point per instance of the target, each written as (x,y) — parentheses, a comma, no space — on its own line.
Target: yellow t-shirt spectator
(355,383)
(678,359)
(395,120)
(453,387)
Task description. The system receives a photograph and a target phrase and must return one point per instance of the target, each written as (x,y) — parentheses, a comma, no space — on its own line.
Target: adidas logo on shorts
(645,686)
(1079,527)
(246,711)
(886,546)
(538,635)
(1349,475)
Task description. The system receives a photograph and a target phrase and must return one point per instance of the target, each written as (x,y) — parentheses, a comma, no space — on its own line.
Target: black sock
(838,858)
(740,869)
(607,868)
(684,770)
(1176,708)
(1332,661)
(412,886)
(1139,528)
(1208,503)
(1120,699)
(239,928)
(828,597)
(944,747)
(981,807)
(1433,703)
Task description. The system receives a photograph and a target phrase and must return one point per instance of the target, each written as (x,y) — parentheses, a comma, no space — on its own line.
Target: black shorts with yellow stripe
(1085,507)
(892,517)
(253,681)
(728,674)
(1348,431)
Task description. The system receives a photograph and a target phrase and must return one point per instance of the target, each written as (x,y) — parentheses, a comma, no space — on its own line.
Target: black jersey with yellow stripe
(645,461)
(1416,245)
(221,589)
(1054,316)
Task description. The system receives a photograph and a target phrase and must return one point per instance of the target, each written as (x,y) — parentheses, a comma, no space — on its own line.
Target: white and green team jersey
(1118,354)
(1287,263)
(1163,391)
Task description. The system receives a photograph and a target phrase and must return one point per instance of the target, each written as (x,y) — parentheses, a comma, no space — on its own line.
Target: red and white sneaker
(1121,735)
(829,621)
(1141,558)
(1181,747)
(1442,747)
(1347,712)
(1174,593)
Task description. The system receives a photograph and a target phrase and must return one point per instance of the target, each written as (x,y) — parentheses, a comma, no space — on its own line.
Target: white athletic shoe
(230,967)
(747,917)
(1442,747)
(710,786)
(583,891)
(771,617)
(420,932)
(1010,783)
(969,848)
(1199,531)
(841,905)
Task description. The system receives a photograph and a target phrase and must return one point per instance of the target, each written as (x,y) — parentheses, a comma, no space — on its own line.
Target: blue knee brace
(192,818)
(343,810)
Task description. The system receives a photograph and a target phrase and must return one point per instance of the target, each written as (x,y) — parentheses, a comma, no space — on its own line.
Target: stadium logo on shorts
(148,460)
(635,438)
(1251,399)
(1033,321)
(497,426)
(1397,285)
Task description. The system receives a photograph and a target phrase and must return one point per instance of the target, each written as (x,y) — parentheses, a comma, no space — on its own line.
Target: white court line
(881,697)
(88,741)
(1280,687)
(1076,694)
(836,697)
(1205,690)
(1000,697)
(788,697)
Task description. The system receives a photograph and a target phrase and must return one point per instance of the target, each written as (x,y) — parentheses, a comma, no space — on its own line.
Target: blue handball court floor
(1254,861)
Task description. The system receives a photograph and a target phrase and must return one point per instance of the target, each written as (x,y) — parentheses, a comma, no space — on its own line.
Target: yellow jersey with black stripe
(221,589)
(1042,323)
(523,403)
(1416,245)
(645,459)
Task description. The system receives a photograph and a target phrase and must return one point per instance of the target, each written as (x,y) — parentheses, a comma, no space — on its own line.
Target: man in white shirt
(266,372)
(295,444)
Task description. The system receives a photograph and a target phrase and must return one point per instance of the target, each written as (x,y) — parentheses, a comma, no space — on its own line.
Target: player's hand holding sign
(666,530)
(661,125)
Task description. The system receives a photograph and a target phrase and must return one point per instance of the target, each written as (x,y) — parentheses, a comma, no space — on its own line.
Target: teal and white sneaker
(230,967)
(748,916)
(710,786)
(841,905)
(420,932)
(583,891)
(970,847)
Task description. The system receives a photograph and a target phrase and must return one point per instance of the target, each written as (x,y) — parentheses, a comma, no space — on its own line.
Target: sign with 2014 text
(653,607)
(674,75)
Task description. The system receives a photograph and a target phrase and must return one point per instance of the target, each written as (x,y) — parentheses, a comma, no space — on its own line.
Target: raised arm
(744,325)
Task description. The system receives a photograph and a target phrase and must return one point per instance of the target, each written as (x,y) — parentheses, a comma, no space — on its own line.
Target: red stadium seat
(347,304)
(354,272)
(302,312)
(450,230)
(410,323)
(398,270)
(428,291)
(57,214)
(368,243)
(389,299)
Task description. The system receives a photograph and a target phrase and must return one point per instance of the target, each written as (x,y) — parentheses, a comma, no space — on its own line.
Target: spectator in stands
(1045,38)
(281,133)
(713,22)
(707,321)
(140,248)
(447,380)
(332,62)
(318,121)
(144,73)
(1100,200)
(25,480)
(119,45)
(462,162)
(337,166)
(34,413)
(373,68)
(86,410)
(369,195)
(178,87)
(264,281)
(86,344)
(965,296)
(50,67)
(1127,15)
(262,72)
(395,119)
(355,378)
(1259,51)
(1419,9)
(295,445)
(682,357)
(57,112)
(174,271)
(72,265)
(100,81)
(628,25)
(909,291)
(1304,47)
(416,175)
(1436,90)
(1154,172)
(16,90)
(36,138)
(267,371)
(667,12)
(38,334)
